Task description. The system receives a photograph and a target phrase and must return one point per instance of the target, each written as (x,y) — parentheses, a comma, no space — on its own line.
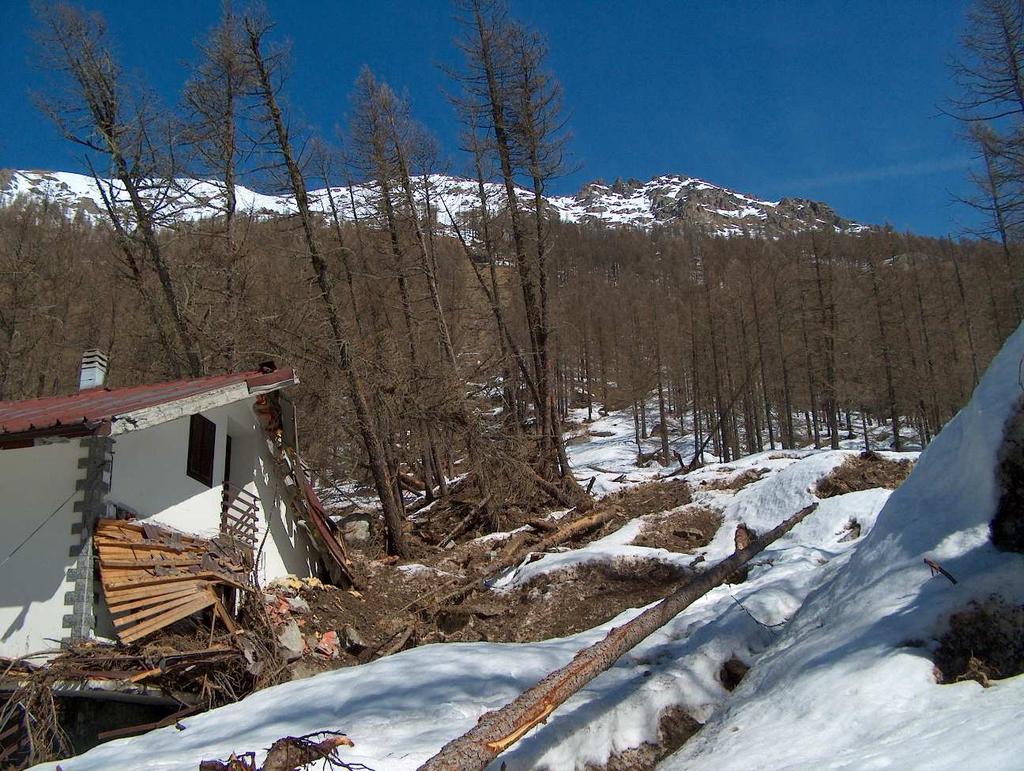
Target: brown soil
(984,642)
(570,601)
(864,472)
(650,498)
(384,610)
(433,526)
(675,727)
(378,611)
(555,605)
(732,673)
(681,531)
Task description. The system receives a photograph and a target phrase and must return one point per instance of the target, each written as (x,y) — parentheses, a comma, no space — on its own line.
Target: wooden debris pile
(184,669)
(166,592)
(153,576)
(291,752)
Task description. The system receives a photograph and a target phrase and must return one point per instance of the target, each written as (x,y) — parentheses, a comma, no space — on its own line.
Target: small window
(202,434)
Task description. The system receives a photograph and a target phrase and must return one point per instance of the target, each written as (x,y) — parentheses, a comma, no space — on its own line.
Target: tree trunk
(890,382)
(375,452)
(496,731)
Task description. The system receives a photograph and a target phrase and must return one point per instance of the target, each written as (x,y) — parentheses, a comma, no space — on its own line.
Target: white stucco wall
(149,478)
(35,482)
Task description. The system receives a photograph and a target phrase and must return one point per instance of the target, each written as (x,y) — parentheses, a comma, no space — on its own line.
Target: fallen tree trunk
(574,528)
(497,731)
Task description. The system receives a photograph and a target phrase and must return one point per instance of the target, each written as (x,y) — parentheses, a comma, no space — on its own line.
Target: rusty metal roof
(91,411)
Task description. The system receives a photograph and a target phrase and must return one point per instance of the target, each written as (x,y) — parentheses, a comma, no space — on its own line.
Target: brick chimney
(93,370)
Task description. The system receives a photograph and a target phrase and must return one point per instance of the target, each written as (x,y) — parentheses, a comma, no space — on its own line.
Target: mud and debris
(866,471)
(681,531)
(736,482)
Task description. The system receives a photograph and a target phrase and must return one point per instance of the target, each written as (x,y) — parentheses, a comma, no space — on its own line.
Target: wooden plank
(205,600)
(177,576)
(148,563)
(118,524)
(138,729)
(244,521)
(247,509)
(120,605)
(229,622)
(118,539)
(144,602)
(151,580)
(135,577)
(133,568)
(125,547)
(156,610)
(141,555)
(143,675)
(116,528)
(110,544)
(120,595)
(126,576)
(128,561)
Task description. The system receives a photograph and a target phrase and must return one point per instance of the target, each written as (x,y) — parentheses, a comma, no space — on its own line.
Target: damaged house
(125,510)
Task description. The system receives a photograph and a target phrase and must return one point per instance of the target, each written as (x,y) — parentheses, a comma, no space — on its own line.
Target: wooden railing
(239,515)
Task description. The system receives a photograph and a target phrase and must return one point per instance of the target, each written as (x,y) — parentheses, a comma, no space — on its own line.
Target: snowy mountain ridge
(663,201)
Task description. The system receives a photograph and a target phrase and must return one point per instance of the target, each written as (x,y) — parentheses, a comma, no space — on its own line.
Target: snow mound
(851,682)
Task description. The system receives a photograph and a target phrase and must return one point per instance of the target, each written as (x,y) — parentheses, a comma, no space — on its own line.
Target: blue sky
(838,101)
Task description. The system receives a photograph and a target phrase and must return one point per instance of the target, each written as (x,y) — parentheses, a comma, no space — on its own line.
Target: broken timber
(497,731)
(153,577)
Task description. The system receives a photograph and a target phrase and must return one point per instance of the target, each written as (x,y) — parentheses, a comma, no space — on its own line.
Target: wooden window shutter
(202,435)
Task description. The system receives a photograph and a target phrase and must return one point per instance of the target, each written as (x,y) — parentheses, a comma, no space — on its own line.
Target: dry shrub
(649,498)
(863,472)
(984,642)
(652,497)
(30,723)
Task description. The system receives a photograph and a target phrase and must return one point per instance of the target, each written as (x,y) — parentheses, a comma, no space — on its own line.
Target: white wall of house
(36,482)
(149,478)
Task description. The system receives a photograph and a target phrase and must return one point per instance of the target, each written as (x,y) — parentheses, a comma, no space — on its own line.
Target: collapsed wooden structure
(153,577)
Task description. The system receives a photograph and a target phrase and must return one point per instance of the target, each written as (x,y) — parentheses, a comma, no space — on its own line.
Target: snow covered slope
(664,200)
(401,709)
(839,633)
(846,687)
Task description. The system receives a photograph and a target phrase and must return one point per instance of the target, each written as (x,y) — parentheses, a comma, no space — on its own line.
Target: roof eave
(19,439)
